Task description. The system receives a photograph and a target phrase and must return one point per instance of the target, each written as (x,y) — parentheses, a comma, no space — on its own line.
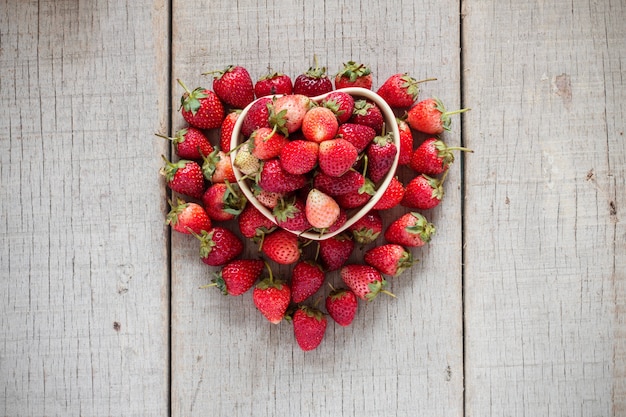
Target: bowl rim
(391,126)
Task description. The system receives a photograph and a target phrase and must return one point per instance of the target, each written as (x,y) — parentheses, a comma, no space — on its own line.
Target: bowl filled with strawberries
(315,165)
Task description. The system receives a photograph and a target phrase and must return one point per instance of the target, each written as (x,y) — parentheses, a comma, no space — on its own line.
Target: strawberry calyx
(278,121)
(361,107)
(316,71)
(377,287)
(209,163)
(446,121)
(170,168)
(269,281)
(285,210)
(176,210)
(422,227)
(190,100)
(411,85)
(445,152)
(234,200)
(353,70)
(405,261)
(217,74)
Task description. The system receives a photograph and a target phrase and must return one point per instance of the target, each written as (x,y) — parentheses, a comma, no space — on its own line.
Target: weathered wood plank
(83,251)
(400,355)
(545,282)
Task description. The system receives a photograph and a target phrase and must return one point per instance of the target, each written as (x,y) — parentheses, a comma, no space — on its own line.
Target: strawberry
(354,75)
(287,112)
(282,247)
(233,86)
(367,113)
(226,130)
(273,83)
(364,280)
(188,217)
(433,157)
(381,154)
(358,197)
(406,142)
(367,228)
(307,277)
(268,199)
(334,186)
(410,229)
(271,297)
(201,108)
(253,224)
(392,196)
(400,90)
(430,116)
(390,259)
(184,177)
(423,192)
(341,220)
(267,143)
(341,305)
(274,179)
(190,143)
(358,135)
(223,201)
(335,251)
(313,82)
(238,276)
(245,161)
(309,326)
(319,124)
(336,156)
(291,215)
(341,104)
(257,116)
(217,167)
(299,156)
(321,209)
(219,246)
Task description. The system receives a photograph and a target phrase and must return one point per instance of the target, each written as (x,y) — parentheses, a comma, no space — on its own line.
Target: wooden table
(517,308)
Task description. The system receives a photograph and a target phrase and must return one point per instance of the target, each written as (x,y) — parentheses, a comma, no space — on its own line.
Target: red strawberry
(226,131)
(367,113)
(364,280)
(291,215)
(321,209)
(190,143)
(367,228)
(309,326)
(184,177)
(299,156)
(400,90)
(282,247)
(381,153)
(357,198)
(336,157)
(254,224)
(319,124)
(287,112)
(267,143)
(433,157)
(274,179)
(188,217)
(389,259)
(217,167)
(430,116)
(334,186)
(233,86)
(201,108)
(306,278)
(341,104)
(271,297)
(335,251)
(313,82)
(354,75)
(273,83)
(341,305)
(341,220)
(219,246)
(238,276)
(358,135)
(257,116)
(410,229)
(392,196)
(423,192)
(223,201)
(406,142)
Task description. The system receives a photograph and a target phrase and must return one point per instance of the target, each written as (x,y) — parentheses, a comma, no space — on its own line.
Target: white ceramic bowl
(353,215)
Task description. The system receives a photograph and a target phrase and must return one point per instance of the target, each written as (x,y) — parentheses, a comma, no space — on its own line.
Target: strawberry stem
(450,113)
(182,84)
(425,80)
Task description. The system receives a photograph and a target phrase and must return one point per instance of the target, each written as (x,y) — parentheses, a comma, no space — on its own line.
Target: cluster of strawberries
(310,163)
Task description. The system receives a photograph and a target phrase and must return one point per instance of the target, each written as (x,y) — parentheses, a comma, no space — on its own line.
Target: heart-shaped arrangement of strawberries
(307,163)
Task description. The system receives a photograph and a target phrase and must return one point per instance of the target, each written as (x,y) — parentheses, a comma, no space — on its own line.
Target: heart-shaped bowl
(352,215)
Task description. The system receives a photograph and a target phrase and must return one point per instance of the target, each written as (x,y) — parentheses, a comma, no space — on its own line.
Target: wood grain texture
(83,251)
(400,355)
(545,276)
